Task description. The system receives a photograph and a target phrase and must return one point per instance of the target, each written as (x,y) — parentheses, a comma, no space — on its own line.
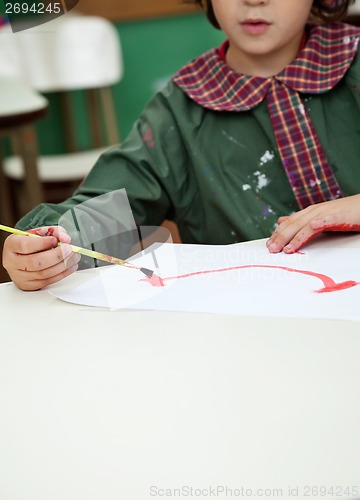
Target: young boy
(258,128)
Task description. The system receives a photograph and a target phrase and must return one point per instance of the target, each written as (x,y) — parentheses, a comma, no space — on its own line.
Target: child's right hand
(33,263)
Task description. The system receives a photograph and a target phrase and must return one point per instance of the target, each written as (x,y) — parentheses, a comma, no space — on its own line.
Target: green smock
(217,174)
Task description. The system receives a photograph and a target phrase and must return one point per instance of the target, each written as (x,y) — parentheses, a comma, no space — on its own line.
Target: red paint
(40,231)
(35,231)
(338,286)
(329,284)
(326,227)
(155,280)
(341,227)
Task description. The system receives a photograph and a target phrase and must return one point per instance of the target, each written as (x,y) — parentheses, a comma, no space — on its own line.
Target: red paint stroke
(329,284)
(333,227)
(40,231)
(344,227)
(155,280)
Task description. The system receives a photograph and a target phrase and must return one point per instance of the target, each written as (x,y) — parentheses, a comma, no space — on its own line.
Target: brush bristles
(147,272)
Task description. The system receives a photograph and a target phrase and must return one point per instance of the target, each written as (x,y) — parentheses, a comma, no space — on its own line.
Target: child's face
(264,35)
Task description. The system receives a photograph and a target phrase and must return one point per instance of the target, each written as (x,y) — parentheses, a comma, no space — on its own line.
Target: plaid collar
(320,65)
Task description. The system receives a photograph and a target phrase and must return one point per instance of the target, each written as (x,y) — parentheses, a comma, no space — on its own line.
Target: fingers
(35,280)
(292,233)
(298,241)
(283,218)
(296,230)
(56,231)
(291,238)
(43,259)
(25,245)
(33,263)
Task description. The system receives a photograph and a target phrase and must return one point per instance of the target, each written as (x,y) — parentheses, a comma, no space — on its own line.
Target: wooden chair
(71,53)
(20,106)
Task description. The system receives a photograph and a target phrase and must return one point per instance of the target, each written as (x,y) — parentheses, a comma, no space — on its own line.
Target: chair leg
(7,216)
(95,123)
(28,150)
(108,108)
(68,122)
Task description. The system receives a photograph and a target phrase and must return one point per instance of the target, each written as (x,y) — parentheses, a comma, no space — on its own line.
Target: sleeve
(146,165)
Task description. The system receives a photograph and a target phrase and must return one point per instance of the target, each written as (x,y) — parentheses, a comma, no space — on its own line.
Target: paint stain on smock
(302,109)
(232,139)
(267,211)
(148,138)
(261,180)
(266,157)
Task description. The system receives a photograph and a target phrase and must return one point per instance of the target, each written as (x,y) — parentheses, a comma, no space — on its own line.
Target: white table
(112,405)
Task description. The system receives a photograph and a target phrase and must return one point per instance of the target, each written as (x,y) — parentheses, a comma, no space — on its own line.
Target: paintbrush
(85,251)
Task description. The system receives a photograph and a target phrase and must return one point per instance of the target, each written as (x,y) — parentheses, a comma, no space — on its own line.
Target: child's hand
(297,229)
(33,263)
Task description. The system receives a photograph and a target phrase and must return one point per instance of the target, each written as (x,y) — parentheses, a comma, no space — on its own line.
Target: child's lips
(255,26)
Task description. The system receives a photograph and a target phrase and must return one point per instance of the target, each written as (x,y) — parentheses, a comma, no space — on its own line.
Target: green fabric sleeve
(140,165)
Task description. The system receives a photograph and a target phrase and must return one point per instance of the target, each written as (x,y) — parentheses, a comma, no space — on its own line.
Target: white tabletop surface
(111,405)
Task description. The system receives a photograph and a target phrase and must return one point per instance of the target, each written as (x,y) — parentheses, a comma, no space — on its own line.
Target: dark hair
(321,9)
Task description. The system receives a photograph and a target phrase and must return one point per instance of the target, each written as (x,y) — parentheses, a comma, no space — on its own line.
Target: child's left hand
(295,230)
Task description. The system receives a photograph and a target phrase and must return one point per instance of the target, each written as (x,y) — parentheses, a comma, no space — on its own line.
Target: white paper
(268,289)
